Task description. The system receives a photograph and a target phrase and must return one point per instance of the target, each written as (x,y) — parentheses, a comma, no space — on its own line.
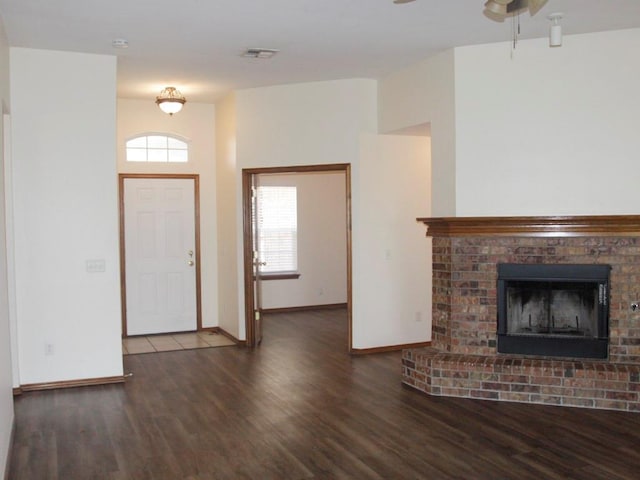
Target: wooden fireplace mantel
(558,226)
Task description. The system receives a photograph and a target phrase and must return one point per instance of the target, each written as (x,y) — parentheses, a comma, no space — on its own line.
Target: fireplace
(555,310)
(602,259)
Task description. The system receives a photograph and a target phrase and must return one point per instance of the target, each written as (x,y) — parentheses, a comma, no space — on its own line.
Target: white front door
(160,249)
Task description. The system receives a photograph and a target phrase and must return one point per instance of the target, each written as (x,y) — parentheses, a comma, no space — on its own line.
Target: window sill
(280,276)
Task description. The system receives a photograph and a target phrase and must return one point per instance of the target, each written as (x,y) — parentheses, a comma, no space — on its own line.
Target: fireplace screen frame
(595,346)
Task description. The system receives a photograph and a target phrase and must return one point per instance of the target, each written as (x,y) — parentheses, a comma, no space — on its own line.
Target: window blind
(277,222)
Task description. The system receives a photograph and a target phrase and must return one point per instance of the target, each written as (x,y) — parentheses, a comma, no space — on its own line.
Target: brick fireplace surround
(463,362)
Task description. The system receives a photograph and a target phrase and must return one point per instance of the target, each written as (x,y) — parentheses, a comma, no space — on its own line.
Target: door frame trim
(196,204)
(247,234)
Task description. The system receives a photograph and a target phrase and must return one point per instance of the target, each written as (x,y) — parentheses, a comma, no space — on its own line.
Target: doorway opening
(252,260)
(159,253)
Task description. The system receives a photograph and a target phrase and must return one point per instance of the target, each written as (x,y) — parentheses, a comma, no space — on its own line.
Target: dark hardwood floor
(300,407)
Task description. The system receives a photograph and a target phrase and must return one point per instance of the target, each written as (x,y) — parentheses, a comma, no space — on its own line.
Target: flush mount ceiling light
(403,1)
(170,100)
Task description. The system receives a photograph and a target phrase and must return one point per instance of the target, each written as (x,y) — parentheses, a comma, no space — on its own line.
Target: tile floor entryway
(174,341)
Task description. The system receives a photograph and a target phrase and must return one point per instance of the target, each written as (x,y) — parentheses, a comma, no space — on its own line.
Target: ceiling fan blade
(495,9)
(516,6)
(535,6)
(499,10)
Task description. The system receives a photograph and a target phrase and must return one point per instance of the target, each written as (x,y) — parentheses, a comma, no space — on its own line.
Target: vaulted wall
(65,210)
(6,380)
(547,131)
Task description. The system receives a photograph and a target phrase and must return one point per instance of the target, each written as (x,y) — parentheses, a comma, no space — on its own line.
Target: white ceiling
(195,45)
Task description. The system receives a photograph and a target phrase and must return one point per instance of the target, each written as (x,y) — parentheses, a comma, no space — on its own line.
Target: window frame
(168,136)
(279,274)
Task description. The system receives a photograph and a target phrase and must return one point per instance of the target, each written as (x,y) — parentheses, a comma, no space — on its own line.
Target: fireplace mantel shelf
(557,226)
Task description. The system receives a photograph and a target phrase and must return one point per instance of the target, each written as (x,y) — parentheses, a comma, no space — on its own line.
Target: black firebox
(553,310)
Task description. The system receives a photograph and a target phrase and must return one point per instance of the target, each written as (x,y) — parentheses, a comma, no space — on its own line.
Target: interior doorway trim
(247,174)
(123,285)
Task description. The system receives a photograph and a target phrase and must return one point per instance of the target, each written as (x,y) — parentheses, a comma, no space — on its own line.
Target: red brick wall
(590,384)
(441,298)
(465,276)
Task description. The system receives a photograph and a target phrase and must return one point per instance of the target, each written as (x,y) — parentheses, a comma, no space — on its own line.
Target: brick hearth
(463,361)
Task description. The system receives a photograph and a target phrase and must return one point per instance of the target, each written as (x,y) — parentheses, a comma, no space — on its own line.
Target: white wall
(322,242)
(65,206)
(229,249)
(553,131)
(336,122)
(196,122)
(424,93)
(302,124)
(6,381)
(10,245)
(392,259)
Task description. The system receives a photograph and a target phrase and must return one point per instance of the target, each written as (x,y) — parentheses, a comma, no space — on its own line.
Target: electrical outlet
(320,292)
(48,349)
(418,317)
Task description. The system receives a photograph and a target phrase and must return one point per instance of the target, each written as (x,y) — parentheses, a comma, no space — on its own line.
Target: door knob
(190,253)
(190,263)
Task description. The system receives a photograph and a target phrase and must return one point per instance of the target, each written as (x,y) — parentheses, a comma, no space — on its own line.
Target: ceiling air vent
(264,53)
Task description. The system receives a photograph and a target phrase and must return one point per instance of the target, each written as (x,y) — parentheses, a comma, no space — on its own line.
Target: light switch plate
(96,265)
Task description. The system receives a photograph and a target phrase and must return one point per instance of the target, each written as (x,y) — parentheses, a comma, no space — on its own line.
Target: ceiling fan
(500,9)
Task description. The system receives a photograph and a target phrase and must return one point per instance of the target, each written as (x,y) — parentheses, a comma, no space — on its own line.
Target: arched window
(157,148)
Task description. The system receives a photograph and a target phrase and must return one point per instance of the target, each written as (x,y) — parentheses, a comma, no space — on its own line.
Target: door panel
(257,262)
(146,233)
(160,273)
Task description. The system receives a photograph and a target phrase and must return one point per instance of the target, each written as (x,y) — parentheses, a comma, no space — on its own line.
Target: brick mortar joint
(431,354)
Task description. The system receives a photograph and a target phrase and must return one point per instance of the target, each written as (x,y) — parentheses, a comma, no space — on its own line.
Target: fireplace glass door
(553,310)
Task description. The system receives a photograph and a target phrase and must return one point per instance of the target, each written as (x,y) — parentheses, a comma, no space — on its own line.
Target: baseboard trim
(17,391)
(222,331)
(328,306)
(210,329)
(11,437)
(86,382)
(389,348)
